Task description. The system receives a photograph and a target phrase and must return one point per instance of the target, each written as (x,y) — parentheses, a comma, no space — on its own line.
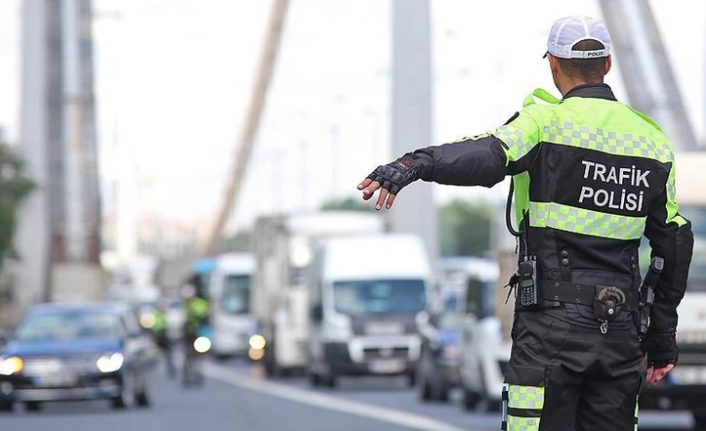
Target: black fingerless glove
(396,175)
(661,348)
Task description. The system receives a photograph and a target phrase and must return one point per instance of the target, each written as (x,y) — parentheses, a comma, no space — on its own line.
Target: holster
(608,302)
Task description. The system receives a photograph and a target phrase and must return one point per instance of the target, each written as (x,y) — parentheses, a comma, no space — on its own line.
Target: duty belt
(576,293)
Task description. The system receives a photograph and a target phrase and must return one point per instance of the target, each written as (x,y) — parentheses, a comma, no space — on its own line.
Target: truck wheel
(32,406)
(411,379)
(221,357)
(270,364)
(470,399)
(423,389)
(330,381)
(699,421)
(6,406)
(491,404)
(142,398)
(442,392)
(314,378)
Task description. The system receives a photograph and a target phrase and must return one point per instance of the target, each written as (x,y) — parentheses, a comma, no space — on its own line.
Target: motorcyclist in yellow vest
(591,177)
(159,331)
(197,312)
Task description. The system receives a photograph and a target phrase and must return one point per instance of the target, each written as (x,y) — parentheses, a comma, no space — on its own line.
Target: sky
(174,77)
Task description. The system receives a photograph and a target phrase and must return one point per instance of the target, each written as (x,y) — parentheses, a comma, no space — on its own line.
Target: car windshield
(450,317)
(236,294)
(362,297)
(697,270)
(69,326)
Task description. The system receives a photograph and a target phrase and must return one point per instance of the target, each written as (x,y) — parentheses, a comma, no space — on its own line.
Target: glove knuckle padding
(396,175)
(661,348)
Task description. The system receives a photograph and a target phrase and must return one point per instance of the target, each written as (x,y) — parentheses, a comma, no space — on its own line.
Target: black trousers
(565,377)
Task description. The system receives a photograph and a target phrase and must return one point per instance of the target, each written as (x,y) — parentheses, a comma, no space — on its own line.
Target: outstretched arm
(482,160)
(470,162)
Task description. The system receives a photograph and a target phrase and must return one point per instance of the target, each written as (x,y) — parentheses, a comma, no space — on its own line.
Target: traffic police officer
(591,176)
(197,313)
(161,337)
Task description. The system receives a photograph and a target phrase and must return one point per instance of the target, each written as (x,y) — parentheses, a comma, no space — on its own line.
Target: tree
(465,228)
(15,186)
(239,242)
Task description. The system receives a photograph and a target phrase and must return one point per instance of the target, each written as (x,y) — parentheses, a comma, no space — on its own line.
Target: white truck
(365,295)
(283,249)
(229,298)
(685,386)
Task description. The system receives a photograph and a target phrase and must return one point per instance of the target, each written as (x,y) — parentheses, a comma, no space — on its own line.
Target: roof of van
(392,256)
(235,263)
(335,222)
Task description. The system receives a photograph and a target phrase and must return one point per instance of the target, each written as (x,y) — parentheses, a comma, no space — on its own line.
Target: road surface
(236,398)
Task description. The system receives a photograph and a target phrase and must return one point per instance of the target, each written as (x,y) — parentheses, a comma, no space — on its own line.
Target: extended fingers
(369,189)
(650,375)
(385,198)
(381,198)
(365,183)
(390,201)
(654,375)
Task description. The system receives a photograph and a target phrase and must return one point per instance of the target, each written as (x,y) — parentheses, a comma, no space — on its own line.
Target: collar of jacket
(595,91)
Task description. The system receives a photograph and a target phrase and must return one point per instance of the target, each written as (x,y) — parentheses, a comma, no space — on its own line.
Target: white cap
(567,32)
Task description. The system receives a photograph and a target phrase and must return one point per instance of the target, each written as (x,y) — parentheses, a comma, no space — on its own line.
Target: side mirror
(317,313)
(4,338)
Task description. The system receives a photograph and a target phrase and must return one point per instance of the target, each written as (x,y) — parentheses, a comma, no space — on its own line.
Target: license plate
(55,380)
(387,366)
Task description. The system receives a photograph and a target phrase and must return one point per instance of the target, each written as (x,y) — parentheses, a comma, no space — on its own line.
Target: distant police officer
(591,176)
(159,331)
(197,313)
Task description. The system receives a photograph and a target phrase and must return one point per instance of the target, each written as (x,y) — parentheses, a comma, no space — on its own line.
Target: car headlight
(110,363)
(257,342)
(10,366)
(202,344)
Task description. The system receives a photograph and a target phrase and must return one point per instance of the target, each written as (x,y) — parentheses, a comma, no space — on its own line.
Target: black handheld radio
(525,280)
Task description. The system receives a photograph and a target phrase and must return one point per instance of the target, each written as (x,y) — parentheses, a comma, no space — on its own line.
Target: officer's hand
(390,179)
(662,354)
(654,374)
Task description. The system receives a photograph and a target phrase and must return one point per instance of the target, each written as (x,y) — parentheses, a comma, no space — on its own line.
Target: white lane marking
(383,414)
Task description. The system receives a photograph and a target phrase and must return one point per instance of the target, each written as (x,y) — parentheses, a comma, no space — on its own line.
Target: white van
(229,299)
(365,295)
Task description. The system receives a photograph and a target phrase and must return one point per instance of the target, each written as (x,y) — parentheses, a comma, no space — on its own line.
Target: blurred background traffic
(158,152)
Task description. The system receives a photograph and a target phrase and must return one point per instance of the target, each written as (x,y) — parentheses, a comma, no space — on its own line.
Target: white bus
(229,298)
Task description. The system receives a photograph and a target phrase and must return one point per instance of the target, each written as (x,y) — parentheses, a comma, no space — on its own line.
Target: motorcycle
(197,347)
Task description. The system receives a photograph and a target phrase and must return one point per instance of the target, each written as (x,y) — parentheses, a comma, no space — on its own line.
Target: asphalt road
(236,398)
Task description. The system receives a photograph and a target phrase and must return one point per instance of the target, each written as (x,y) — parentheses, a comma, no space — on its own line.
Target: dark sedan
(76,352)
(438,366)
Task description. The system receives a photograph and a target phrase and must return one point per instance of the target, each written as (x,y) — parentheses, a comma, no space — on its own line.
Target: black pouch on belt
(608,302)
